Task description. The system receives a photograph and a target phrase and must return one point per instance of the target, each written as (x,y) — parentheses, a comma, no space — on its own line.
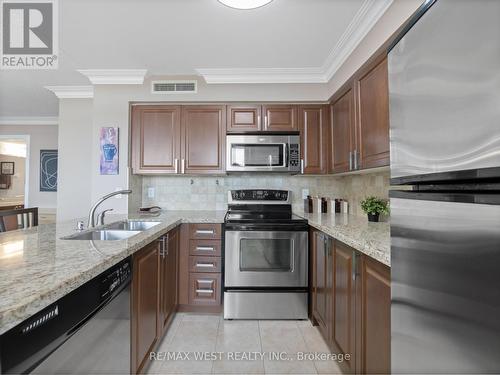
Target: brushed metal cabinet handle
(354,265)
(176,165)
(205,265)
(205,248)
(205,291)
(350,160)
(258,121)
(205,231)
(205,281)
(301,166)
(183,166)
(355,159)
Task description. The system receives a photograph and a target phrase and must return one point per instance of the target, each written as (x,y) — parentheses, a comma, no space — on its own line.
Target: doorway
(14,171)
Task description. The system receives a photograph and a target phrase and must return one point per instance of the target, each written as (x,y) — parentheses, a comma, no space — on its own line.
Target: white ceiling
(169,37)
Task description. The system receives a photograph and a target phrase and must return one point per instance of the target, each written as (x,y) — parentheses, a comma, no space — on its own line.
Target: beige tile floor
(196,333)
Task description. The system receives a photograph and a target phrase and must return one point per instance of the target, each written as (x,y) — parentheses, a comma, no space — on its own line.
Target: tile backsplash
(210,193)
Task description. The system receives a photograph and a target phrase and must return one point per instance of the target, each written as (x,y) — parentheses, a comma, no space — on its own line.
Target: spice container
(338,205)
(324,205)
(308,204)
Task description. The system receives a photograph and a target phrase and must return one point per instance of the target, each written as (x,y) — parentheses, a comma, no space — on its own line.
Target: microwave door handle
(285,155)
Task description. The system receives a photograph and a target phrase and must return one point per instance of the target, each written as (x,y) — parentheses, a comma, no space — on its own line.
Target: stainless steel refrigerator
(444,87)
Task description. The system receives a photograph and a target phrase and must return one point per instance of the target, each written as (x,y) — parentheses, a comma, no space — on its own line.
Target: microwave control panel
(294,155)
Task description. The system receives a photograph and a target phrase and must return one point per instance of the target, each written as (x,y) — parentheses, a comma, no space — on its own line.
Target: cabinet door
(168,279)
(375,329)
(342,132)
(145,304)
(373,116)
(322,282)
(313,139)
(204,288)
(344,312)
(243,117)
(280,118)
(156,139)
(203,139)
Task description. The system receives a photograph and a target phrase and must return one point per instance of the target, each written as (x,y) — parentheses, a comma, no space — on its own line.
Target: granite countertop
(37,267)
(372,239)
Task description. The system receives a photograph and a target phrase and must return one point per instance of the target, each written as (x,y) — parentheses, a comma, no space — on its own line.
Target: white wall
(75,150)
(42,137)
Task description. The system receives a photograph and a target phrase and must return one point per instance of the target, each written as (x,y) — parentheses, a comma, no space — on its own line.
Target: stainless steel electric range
(266,257)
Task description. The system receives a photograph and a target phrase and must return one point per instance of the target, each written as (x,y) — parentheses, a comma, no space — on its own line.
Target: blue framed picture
(48,170)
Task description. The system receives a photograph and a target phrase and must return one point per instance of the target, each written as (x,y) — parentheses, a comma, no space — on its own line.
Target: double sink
(121,230)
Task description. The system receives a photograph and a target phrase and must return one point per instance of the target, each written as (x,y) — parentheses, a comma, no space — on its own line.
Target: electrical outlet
(151,192)
(305,193)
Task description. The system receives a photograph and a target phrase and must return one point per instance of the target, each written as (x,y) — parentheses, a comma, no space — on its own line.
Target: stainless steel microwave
(263,153)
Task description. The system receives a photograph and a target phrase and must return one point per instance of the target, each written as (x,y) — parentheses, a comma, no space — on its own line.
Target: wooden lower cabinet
(145,305)
(353,314)
(204,288)
(322,281)
(168,278)
(200,267)
(154,297)
(375,330)
(344,305)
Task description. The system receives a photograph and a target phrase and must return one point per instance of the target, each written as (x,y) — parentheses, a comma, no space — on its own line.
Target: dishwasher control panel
(114,277)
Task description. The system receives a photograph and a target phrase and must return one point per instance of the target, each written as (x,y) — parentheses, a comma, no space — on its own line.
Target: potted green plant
(374,206)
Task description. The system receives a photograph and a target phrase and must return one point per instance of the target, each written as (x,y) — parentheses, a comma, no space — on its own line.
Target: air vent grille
(172,87)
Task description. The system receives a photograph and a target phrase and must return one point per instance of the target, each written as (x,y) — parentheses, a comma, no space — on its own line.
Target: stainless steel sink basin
(103,235)
(132,225)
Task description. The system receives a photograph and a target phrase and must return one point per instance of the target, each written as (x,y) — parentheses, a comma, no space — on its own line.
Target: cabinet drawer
(204,264)
(205,231)
(209,248)
(204,288)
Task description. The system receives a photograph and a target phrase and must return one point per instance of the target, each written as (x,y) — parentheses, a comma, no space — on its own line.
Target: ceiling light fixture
(245,4)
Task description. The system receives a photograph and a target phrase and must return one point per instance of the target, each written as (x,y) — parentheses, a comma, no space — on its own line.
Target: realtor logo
(29,34)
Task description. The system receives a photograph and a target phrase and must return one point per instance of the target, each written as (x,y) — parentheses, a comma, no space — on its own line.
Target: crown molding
(20,120)
(363,21)
(114,76)
(72,92)
(263,75)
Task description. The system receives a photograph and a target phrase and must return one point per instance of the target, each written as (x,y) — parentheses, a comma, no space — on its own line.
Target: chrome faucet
(91,222)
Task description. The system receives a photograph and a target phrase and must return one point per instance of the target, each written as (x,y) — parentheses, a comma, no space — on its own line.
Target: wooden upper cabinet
(279,117)
(342,133)
(145,303)
(344,306)
(375,328)
(373,116)
(313,126)
(156,139)
(203,139)
(243,117)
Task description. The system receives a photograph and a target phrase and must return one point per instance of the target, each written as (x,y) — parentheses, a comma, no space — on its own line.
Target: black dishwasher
(85,332)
